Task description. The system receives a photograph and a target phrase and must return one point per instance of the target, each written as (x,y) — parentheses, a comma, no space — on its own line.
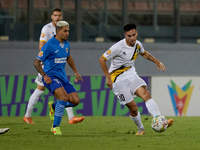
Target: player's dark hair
(129,27)
(57,9)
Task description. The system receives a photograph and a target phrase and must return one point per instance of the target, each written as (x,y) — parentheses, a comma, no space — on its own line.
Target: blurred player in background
(4,130)
(54,54)
(124,80)
(47,32)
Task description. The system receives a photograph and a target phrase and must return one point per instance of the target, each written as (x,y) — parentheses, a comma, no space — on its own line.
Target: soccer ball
(159,123)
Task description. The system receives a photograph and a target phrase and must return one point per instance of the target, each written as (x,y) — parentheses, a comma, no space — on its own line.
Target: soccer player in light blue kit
(54,54)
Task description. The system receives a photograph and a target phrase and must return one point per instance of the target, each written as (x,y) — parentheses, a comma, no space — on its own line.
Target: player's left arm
(71,63)
(150,57)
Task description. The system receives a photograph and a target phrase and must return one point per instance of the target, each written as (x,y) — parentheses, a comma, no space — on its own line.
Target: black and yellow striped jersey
(122,58)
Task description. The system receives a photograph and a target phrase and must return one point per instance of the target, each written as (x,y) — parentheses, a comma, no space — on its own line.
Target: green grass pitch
(99,133)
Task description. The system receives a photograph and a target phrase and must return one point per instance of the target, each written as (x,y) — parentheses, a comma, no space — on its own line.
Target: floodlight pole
(30,20)
(78,21)
(176,21)
(124,12)
(155,15)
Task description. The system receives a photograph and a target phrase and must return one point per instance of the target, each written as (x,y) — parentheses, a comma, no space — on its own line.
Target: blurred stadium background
(98,20)
(169,29)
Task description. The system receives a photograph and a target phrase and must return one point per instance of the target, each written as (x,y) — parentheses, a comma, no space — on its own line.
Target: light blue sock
(59,109)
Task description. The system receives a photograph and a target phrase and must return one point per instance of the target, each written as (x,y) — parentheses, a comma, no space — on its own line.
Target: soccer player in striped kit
(123,79)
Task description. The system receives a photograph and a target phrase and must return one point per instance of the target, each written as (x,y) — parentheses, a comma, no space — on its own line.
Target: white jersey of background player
(123,79)
(47,32)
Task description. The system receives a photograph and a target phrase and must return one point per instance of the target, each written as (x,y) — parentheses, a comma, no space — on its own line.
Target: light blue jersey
(54,56)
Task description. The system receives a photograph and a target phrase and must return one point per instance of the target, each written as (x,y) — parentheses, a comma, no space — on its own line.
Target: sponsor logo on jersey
(108,52)
(60,60)
(56,51)
(40,54)
(67,50)
(43,35)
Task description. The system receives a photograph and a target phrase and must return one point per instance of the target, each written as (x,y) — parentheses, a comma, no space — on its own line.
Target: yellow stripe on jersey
(43,41)
(104,57)
(136,52)
(114,74)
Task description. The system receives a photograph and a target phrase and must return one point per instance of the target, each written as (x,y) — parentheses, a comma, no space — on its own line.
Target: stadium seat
(7,4)
(140,6)
(22,4)
(196,7)
(41,4)
(69,5)
(88,6)
(165,6)
(186,7)
(114,6)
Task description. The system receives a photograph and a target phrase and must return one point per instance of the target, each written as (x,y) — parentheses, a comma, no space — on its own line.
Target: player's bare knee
(74,99)
(39,87)
(64,98)
(134,112)
(76,102)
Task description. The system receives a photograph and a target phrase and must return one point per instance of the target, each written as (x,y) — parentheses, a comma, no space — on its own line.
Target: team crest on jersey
(137,48)
(67,50)
(43,35)
(108,52)
(137,51)
(40,54)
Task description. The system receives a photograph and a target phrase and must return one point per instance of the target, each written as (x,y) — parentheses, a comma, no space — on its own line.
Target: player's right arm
(38,66)
(110,53)
(102,61)
(41,57)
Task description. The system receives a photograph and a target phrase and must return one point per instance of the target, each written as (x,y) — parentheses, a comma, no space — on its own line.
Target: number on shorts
(121,97)
(40,79)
